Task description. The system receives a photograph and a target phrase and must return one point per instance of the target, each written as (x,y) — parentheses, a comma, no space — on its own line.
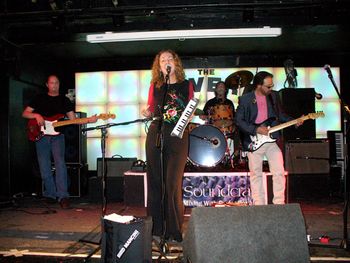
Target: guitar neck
(69,122)
(287,124)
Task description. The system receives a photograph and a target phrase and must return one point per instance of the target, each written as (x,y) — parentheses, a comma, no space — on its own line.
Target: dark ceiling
(57,29)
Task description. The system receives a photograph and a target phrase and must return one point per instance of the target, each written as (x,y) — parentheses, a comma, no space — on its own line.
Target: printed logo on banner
(210,190)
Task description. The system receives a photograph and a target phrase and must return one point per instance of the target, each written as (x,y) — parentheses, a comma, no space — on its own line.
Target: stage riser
(199,189)
(210,189)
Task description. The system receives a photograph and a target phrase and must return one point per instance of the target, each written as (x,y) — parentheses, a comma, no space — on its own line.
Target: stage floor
(31,231)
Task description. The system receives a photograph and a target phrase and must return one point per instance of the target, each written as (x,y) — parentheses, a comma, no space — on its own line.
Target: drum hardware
(238,79)
(221,116)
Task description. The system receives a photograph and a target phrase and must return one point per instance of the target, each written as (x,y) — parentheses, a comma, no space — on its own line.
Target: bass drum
(207,146)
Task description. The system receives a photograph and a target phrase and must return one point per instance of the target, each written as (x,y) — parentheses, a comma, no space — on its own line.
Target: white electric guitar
(259,139)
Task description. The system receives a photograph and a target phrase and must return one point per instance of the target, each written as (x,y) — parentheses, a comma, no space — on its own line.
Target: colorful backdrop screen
(124,93)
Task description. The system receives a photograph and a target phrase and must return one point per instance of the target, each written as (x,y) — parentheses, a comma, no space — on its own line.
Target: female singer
(168,96)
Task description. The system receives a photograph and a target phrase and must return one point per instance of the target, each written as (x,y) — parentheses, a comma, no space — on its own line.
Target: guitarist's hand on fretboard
(93,119)
(300,121)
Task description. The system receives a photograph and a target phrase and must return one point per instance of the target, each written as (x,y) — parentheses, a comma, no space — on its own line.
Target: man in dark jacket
(257,111)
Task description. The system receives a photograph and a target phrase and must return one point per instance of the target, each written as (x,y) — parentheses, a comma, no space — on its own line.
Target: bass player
(46,105)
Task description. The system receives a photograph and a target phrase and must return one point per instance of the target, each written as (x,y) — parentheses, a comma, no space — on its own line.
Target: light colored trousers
(275,158)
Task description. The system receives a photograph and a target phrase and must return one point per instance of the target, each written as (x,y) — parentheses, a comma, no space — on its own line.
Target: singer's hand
(146,112)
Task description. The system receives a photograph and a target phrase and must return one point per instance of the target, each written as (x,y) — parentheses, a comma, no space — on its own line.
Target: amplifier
(307,157)
(115,166)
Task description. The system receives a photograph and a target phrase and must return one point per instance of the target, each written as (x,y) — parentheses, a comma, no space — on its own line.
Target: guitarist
(254,110)
(47,105)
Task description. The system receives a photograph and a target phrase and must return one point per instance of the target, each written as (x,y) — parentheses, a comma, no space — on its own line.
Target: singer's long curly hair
(158,77)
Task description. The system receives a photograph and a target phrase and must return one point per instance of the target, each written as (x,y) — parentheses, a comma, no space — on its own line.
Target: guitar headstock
(316,115)
(106,116)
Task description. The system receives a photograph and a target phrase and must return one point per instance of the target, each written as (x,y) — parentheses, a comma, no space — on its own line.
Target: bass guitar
(36,132)
(259,139)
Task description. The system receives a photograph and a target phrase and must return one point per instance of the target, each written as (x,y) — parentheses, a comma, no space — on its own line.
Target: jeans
(54,186)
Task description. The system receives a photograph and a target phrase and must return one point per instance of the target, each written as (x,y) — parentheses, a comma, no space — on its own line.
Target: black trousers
(175,151)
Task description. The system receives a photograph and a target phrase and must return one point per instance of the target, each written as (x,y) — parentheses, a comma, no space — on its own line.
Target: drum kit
(209,143)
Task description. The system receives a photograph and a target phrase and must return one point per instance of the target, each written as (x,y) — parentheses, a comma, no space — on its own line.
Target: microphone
(291,74)
(168,68)
(328,69)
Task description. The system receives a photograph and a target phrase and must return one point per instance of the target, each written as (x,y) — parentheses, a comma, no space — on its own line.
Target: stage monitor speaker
(127,243)
(307,157)
(246,234)
(297,102)
(115,166)
(75,142)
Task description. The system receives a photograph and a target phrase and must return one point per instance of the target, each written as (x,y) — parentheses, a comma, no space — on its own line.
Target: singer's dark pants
(175,151)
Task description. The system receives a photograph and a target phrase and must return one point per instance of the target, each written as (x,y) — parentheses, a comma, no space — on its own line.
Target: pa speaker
(297,102)
(115,166)
(307,157)
(75,142)
(251,234)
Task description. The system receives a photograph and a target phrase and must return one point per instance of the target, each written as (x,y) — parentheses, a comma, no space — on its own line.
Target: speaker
(124,243)
(77,179)
(297,102)
(307,157)
(247,234)
(75,142)
(115,166)
(135,189)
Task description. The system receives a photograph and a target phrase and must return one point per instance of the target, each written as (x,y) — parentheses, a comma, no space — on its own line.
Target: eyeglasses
(269,87)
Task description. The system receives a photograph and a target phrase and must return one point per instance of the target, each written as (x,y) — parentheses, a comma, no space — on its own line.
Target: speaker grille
(307,157)
(252,234)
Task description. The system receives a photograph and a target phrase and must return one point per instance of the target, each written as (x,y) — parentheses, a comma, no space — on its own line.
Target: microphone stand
(163,246)
(103,129)
(346,111)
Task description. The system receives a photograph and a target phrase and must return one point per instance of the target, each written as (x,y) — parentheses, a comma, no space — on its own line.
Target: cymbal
(239,79)
(198,112)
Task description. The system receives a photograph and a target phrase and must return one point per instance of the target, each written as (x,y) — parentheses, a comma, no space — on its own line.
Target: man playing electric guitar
(256,107)
(52,104)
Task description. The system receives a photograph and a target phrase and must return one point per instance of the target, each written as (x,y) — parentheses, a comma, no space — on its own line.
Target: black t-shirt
(48,106)
(215,101)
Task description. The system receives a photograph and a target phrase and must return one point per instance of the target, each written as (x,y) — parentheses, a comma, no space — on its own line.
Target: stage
(32,231)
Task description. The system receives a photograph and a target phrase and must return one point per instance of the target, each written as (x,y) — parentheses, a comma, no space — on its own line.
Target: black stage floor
(32,231)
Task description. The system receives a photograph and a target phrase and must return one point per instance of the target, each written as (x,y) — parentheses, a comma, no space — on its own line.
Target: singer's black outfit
(175,151)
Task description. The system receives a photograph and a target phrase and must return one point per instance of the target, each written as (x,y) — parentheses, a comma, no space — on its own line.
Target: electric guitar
(36,132)
(259,139)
